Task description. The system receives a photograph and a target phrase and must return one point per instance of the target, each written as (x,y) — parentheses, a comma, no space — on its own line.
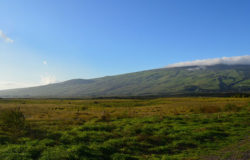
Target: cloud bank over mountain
(244,60)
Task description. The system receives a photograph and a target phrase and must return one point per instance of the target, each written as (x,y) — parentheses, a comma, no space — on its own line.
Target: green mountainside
(158,82)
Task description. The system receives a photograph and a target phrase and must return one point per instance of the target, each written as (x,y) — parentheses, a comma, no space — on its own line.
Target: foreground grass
(167,128)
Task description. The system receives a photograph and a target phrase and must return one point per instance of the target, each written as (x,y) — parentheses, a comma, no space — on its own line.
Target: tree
(13,122)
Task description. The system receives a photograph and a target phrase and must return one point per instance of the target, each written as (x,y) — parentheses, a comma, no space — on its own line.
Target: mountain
(185,80)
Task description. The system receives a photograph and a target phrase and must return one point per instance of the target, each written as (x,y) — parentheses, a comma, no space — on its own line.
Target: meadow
(125,129)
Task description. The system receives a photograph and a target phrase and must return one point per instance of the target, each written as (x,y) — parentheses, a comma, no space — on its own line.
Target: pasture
(121,129)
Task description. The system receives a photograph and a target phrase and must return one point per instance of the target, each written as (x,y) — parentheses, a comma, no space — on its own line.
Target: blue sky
(44,41)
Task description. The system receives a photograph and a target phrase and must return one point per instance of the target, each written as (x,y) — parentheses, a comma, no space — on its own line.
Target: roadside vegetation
(124,129)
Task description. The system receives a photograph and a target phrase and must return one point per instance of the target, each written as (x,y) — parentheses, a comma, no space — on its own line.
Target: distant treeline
(239,95)
(236,95)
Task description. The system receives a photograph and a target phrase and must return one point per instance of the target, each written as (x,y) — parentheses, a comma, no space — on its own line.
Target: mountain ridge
(156,82)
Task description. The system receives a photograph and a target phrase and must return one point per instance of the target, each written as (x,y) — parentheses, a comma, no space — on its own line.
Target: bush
(13,122)
(105,116)
(55,153)
(15,152)
(209,109)
(120,156)
(3,139)
(231,107)
(184,145)
(210,135)
(83,152)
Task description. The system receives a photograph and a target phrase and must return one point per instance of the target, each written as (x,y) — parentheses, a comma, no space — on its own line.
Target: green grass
(202,129)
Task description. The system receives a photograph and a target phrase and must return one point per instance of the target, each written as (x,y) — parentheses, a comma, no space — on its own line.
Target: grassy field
(124,129)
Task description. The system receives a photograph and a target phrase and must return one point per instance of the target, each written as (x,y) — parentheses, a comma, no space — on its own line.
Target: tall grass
(165,128)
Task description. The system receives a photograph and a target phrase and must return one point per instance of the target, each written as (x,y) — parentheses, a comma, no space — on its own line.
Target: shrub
(67,138)
(105,116)
(55,153)
(15,152)
(210,135)
(3,139)
(209,109)
(120,156)
(48,142)
(83,152)
(231,107)
(13,122)
(112,146)
(35,151)
(184,144)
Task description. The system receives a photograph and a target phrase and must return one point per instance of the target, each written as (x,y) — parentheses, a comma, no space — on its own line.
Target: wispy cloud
(13,85)
(45,79)
(208,62)
(48,79)
(45,62)
(5,38)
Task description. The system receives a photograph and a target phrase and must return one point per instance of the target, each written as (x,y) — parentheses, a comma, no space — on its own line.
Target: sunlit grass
(164,128)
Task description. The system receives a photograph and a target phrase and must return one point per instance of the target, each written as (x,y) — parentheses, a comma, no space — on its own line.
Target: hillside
(165,81)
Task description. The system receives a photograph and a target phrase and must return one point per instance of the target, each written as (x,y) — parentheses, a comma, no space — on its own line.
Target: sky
(46,41)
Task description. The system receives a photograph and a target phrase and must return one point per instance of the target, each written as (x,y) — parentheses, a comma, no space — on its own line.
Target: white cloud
(45,79)
(5,38)
(45,62)
(48,79)
(13,85)
(208,62)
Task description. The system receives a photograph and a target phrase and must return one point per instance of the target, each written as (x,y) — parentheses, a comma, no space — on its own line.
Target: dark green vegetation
(156,129)
(219,79)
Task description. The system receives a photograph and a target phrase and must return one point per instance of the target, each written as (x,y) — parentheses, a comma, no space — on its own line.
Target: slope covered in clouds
(240,60)
(160,82)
